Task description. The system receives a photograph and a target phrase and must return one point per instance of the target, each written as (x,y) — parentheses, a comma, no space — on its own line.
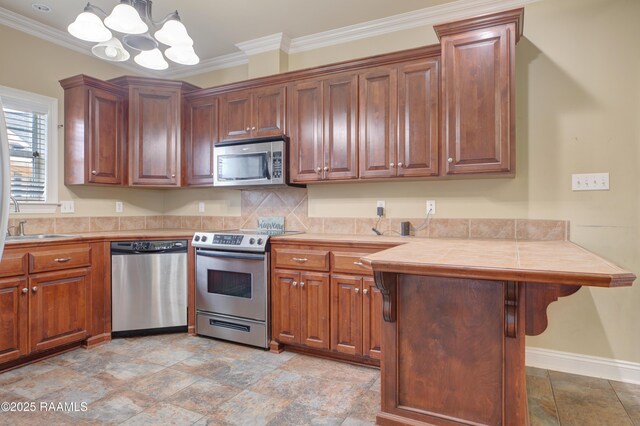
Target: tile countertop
(552,262)
(138,234)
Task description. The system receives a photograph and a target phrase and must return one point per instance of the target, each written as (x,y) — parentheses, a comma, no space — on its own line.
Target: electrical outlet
(67,207)
(119,207)
(201,207)
(590,182)
(380,203)
(431,207)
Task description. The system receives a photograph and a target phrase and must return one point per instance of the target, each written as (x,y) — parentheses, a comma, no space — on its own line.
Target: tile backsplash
(292,204)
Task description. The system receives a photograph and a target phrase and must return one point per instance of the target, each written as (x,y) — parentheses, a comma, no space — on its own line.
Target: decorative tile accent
(500,229)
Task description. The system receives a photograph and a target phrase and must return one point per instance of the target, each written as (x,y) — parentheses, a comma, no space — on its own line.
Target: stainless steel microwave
(250,163)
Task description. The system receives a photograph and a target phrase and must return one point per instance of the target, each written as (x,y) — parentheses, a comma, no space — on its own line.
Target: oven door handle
(228,255)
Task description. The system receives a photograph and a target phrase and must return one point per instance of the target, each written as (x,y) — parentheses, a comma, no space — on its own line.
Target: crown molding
(53,35)
(459,9)
(277,41)
(219,62)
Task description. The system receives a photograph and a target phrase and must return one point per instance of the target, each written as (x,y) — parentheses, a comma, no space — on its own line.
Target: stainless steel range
(232,285)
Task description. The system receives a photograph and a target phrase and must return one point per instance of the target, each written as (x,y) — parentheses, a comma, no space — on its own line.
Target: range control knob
(260,241)
(204,238)
(197,238)
(252,241)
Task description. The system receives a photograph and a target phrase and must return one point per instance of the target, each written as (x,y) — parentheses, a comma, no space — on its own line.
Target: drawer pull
(299,259)
(62,259)
(358,263)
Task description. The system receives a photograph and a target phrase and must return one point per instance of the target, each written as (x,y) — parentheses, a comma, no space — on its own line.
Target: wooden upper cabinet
(253,113)
(306,130)
(95,128)
(154,134)
(378,120)
(14,299)
(200,135)
(478,93)
(340,96)
(58,308)
(323,127)
(418,118)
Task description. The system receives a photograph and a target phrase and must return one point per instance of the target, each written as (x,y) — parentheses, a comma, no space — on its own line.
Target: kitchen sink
(38,237)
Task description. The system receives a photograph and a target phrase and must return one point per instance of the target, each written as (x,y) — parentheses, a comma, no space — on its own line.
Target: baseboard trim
(604,368)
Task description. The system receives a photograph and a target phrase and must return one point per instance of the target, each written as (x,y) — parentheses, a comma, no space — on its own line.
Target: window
(31,124)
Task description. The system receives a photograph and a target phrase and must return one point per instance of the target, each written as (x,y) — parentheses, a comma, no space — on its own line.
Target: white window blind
(28,153)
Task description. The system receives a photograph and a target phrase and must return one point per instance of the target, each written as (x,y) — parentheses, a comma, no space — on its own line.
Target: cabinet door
(235,115)
(478,95)
(58,308)
(346,314)
(418,118)
(154,132)
(340,99)
(378,121)
(14,319)
(306,160)
(371,319)
(314,318)
(268,115)
(105,149)
(286,307)
(200,136)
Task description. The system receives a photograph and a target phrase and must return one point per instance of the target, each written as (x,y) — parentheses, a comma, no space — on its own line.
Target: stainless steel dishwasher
(148,287)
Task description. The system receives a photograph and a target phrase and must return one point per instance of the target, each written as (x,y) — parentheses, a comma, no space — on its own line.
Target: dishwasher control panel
(149,246)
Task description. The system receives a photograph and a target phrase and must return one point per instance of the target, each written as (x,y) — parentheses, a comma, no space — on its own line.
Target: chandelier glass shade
(132,24)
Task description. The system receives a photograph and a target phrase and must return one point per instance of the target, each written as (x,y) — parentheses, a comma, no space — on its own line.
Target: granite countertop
(554,262)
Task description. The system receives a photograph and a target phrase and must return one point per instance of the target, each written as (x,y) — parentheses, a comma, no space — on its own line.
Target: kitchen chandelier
(131,19)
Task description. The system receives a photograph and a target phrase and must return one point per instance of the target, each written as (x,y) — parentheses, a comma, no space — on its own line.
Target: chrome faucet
(15,203)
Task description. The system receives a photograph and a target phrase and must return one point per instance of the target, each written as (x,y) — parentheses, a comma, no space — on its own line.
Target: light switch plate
(201,207)
(67,207)
(119,207)
(590,182)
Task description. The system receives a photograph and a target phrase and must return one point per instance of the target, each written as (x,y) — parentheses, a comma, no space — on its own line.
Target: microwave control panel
(277,165)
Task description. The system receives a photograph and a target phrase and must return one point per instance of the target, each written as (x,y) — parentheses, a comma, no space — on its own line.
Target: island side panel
(446,357)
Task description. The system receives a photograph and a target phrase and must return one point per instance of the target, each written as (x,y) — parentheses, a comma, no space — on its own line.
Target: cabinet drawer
(59,258)
(13,264)
(349,262)
(309,260)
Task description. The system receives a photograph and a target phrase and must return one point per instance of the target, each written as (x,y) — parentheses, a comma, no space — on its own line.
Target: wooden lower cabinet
(356,316)
(13,319)
(58,308)
(301,308)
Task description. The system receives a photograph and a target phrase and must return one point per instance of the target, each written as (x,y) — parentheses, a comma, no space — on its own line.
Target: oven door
(234,284)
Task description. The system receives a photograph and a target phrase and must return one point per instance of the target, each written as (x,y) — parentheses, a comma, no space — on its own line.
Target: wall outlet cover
(380,203)
(119,207)
(201,207)
(431,207)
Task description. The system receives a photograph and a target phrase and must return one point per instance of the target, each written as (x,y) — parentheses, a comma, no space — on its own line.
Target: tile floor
(179,379)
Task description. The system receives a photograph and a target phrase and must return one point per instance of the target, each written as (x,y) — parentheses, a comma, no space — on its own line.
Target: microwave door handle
(267,166)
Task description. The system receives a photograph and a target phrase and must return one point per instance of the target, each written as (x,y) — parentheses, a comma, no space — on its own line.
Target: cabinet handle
(301,284)
(34,289)
(358,263)
(253,128)
(326,168)
(318,169)
(299,259)
(450,160)
(25,290)
(248,129)
(399,164)
(391,165)
(93,172)
(61,259)
(365,291)
(357,290)
(295,283)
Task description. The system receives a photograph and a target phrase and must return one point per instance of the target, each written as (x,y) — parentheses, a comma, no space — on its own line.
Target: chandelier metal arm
(91,8)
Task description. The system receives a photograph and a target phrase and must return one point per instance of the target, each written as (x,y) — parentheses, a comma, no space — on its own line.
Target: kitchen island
(456,313)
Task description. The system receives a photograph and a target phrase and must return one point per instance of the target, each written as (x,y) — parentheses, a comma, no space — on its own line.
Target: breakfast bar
(456,313)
